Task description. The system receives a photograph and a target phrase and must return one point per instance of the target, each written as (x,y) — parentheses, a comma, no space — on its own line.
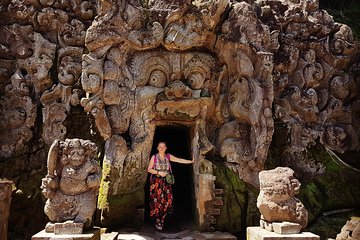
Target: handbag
(170,179)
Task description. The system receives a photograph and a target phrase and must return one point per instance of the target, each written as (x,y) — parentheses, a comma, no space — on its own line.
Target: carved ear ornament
(150,69)
(196,76)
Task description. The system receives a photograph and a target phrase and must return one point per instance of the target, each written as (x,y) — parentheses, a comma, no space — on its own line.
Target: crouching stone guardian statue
(71,185)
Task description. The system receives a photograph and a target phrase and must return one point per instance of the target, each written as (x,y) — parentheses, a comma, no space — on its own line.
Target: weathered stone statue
(276,201)
(351,230)
(72,182)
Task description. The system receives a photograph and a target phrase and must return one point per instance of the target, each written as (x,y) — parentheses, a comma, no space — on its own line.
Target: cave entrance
(178,141)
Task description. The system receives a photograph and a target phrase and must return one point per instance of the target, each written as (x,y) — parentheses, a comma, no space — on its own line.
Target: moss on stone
(325,190)
(328,226)
(336,184)
(332,190)
(122,208)
(233,214)
(104,186)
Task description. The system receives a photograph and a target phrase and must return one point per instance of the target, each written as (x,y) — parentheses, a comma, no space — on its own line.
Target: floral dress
(161,197)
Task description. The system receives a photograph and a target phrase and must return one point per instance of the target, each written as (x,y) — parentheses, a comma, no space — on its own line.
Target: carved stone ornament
(227,71)
(17,114)
(276,200)
(72,182)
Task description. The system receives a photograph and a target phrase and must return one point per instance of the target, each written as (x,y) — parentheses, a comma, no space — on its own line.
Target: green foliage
(330,191)
(347,12)
(123,208)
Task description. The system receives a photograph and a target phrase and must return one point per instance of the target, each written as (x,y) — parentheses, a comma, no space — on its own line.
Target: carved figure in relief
(310,72)
(72,182)
(17,114)
(336,137)
(343,40)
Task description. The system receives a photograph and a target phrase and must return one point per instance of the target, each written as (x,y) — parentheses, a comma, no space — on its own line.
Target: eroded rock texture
(41,47)
(315,81)
(276,201)
(225,69)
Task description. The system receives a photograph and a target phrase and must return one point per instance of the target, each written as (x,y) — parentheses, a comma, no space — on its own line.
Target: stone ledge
(93,234)
(286,227)
(257,233)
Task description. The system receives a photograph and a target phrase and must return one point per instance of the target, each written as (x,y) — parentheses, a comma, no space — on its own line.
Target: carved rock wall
(225,69)
(41,47)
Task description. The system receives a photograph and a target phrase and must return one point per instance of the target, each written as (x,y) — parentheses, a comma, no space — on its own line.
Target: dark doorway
(178,141)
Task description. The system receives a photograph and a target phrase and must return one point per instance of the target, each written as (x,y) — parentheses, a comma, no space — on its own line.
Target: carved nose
(175,76)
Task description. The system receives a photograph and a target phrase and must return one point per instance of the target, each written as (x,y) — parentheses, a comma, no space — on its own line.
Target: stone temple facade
(227,72)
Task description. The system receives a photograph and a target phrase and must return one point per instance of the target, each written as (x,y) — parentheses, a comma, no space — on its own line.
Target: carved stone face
(177,90)
(182,72)
(76,156)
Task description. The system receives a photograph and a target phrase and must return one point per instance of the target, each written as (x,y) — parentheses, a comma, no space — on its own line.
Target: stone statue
(72,182)
(351,230)
(276,200)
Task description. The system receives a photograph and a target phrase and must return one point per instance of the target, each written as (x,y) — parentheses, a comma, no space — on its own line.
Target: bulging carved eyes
(196,80)
(157,78)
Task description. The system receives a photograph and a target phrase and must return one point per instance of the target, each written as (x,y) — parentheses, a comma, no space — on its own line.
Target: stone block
(286,227)
(218,201)
(215,211)
(266,225)
(93,234)
(133,236)
(109,236)
(68,227)
(257,233)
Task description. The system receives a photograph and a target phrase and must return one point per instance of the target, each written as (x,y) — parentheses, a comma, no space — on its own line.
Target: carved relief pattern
(133,65)
(41,47)
(18,114)
(315,95)
(32,34)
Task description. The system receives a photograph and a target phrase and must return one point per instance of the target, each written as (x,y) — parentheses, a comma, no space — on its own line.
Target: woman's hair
(161,142)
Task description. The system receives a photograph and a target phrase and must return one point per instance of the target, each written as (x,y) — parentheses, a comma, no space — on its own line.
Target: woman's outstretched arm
(180,160)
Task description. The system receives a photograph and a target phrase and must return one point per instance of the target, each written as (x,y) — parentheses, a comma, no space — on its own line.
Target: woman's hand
(162,174)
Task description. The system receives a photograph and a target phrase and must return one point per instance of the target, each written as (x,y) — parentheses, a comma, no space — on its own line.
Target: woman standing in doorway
(161,197)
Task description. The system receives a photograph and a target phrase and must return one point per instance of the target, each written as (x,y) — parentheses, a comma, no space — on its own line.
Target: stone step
(185,235)
(219,191)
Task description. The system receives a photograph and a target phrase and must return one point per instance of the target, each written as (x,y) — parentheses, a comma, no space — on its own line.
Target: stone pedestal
(92,234)
(281,227)
(286,228)
(5,199)
(257,233)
